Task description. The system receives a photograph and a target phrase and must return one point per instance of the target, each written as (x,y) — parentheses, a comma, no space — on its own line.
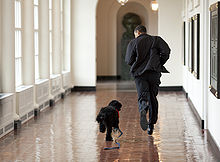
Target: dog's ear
(100,117)
(116,104)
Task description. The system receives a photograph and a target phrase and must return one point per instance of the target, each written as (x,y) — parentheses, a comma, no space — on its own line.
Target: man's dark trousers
(147,86)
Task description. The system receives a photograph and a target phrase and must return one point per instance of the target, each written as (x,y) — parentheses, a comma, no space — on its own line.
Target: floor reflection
(68,132)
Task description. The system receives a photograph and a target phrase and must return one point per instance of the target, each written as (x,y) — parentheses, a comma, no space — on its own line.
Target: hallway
(68,131)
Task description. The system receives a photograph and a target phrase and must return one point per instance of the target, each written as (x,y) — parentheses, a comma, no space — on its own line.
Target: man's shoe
(150,129)
(143,120)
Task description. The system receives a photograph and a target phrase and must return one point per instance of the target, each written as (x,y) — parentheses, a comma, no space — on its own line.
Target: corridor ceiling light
(154,5)
(122,2)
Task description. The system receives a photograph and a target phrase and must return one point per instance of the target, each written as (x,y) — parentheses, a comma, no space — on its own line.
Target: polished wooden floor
(68,131)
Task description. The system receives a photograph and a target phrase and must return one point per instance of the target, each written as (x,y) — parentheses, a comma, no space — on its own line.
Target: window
(36,39)
(50,34)
(18,44)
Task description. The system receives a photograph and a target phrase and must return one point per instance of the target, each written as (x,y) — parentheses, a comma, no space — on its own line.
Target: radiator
(24,102)
(6,114)
(42,91)
(66,80)
(55,85)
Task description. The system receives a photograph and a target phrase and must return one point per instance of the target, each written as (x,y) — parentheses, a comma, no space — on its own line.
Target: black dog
(108,117)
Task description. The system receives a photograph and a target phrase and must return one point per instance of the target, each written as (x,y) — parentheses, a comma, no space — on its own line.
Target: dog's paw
(102,128)
(108,138)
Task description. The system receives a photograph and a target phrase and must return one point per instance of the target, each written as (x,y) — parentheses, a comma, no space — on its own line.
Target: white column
(44,59)
(8,46)
(83,45)
(28,43)
(56,38)
(8,50)
(67,34)
(205,61)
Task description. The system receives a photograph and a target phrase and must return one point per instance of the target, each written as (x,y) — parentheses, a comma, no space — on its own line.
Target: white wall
(204,101)
(194,86)
(169,28)
(83,42)
(213,109)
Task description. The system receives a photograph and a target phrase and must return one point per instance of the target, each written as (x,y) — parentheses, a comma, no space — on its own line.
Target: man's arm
(130,56)
(164,50)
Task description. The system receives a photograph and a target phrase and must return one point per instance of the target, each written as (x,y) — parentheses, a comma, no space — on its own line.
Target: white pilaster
(8,50)
(28,43)
(8,46)
(67,34)
(83,42)
(205,60)
(56,38)
(44,59)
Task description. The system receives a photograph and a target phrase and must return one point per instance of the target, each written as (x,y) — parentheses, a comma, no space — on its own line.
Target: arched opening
(143,13)
(109,30)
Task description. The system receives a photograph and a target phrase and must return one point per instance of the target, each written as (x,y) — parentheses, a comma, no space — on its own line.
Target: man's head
(140,29)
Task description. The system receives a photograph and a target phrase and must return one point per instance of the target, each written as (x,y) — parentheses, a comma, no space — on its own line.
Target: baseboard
(186,94)
(213,144)
(104,78)
(171,88)
(83,88)
(196,114)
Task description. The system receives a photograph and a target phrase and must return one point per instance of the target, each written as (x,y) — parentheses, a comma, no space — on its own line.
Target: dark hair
(141,29)
(116,104)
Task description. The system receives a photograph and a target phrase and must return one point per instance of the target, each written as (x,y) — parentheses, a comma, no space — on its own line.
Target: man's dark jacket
(147,52)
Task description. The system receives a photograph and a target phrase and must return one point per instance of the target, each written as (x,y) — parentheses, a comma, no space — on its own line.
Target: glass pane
(61,5)
(50,4)
(37,67)
(61,41)
(17,14)
(61,21)
(51,62)
(50,19)
(36,43)
(18,72)
(36,17)
(35,2)
(17,43)
(51,42)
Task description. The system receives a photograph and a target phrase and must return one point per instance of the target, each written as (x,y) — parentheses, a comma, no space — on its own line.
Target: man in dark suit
(146,55)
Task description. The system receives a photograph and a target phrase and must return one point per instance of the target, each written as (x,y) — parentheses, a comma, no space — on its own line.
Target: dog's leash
(111,148)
